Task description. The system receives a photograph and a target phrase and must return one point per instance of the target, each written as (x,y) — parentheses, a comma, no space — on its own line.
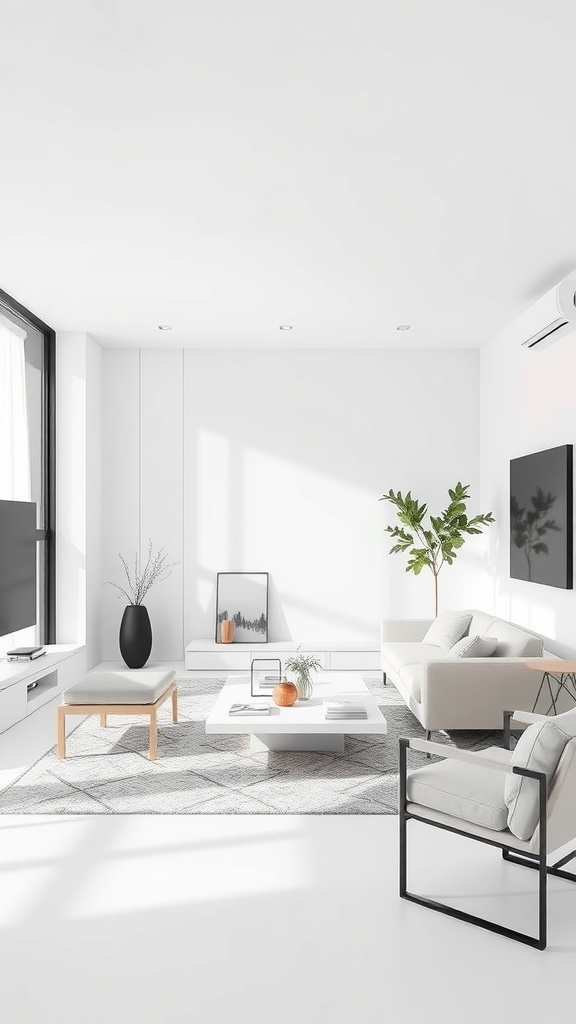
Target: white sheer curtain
(14,443)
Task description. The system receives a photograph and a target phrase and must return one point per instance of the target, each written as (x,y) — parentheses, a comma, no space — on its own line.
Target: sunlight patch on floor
(109,864)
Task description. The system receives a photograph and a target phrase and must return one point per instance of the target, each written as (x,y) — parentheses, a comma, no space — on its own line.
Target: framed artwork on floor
(242,600)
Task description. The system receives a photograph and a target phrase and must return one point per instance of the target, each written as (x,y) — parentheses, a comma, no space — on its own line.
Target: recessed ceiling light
(285,327)
(403,327)
(164,327)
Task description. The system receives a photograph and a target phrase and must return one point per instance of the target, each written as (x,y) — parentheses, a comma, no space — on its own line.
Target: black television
(541,517)
(17,565)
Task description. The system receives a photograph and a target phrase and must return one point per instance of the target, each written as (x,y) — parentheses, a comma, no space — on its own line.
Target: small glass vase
(304,684)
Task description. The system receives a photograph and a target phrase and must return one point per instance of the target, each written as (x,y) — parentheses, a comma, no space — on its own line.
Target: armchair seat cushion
(462,790)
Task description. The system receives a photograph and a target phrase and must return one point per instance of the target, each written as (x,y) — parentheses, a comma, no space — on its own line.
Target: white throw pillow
(447,628)
(474,647)
(539,748)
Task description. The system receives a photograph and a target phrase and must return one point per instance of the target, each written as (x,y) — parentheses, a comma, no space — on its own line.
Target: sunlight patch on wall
(213,500)
(319,535)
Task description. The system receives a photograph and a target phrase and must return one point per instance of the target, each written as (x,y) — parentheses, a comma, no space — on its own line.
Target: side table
(557,675)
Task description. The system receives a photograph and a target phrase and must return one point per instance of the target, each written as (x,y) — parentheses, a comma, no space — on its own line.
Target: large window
(27,442)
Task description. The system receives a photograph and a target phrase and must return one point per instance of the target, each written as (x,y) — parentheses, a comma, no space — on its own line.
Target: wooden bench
(120,692)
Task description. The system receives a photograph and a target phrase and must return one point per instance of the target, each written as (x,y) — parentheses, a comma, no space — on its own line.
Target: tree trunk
(435,594)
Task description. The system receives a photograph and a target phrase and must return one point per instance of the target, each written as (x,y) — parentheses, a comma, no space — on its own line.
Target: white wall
(274,461)
(526,405)
(78,492)
(93,501)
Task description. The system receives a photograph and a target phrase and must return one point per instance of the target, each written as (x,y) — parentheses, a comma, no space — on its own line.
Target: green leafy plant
(302,664)
(433,544)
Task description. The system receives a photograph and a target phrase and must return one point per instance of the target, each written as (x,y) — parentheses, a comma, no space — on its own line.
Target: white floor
(267,920)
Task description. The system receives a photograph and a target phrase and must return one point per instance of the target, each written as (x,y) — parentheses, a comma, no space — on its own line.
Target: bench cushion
(121,686)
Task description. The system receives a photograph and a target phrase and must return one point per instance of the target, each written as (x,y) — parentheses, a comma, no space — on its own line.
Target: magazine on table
(250,708)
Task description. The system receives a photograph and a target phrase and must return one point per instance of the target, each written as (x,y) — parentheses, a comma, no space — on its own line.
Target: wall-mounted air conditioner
(550,317)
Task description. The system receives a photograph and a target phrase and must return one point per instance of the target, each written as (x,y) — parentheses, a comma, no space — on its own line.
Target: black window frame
(47,624)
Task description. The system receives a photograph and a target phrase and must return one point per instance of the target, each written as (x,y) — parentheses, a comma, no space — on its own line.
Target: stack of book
(336,710)
(25,653)
(253,709)
(268,682)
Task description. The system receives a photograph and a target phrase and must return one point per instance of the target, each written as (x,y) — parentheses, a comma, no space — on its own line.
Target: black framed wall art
(242,599)
(541,514)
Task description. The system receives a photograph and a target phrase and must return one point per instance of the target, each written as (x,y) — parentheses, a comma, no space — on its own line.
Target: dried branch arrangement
(142,576)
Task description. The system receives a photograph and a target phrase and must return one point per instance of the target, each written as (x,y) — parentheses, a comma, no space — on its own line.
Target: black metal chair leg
(402,815)
(564,860)
(536,861)
(552,869)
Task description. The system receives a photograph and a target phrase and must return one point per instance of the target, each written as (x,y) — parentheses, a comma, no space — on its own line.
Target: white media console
(26,686)
(353,656)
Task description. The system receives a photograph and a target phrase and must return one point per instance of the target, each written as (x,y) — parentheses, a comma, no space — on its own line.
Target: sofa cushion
(514,642)
(411,676)
(404,653)
(463,790)
(474,647)
(539,749)
(447,629)
(480,623)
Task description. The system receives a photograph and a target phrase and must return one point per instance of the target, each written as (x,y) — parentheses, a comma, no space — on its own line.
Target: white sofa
(462,693)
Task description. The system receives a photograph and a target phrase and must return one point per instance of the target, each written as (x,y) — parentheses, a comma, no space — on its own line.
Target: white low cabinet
(354,656)
(26,686)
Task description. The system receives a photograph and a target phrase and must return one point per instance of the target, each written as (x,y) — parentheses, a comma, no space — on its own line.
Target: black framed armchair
(527,810)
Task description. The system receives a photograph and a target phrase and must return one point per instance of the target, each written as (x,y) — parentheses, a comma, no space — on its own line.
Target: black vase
(135,636)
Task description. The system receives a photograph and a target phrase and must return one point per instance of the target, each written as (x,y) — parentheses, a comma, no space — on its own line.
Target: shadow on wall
(524,603)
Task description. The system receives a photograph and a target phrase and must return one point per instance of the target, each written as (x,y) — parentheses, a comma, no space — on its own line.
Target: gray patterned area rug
(107,770)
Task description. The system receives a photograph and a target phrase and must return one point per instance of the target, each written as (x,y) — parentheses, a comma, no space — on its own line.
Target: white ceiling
(345,166)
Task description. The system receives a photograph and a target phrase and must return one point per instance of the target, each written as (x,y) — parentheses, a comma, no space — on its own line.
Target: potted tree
(431,545)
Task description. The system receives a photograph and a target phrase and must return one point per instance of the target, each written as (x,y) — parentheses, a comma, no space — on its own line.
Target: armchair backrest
(561,827)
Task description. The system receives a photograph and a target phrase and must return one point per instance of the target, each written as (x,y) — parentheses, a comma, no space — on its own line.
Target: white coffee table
(302,726)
